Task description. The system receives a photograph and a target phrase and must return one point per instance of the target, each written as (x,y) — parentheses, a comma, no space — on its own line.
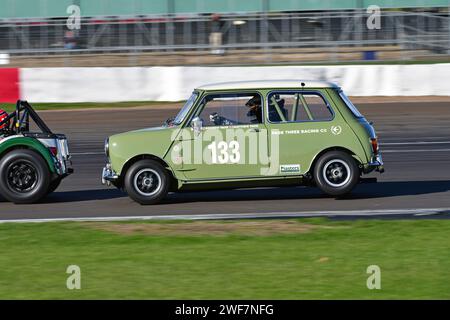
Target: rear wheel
(24,176)
(147,182)
(336,173)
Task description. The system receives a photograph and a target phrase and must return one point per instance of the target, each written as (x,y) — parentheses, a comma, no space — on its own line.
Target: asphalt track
(415,141)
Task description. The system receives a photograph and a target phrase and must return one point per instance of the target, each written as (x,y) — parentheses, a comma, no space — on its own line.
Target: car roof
(266,84)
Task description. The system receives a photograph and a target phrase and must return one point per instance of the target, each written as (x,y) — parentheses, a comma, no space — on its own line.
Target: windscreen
(187,106)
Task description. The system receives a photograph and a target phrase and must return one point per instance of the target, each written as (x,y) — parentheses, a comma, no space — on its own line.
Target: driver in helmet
(255,112)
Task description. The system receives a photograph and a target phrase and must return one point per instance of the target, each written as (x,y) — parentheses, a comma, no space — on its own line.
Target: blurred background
(41,33)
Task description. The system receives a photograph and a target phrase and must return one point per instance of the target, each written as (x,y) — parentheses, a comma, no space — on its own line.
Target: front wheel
(147,182)
(24,176)
(336,173)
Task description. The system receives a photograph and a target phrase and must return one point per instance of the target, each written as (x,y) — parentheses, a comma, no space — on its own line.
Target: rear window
(297,106)
(350,105)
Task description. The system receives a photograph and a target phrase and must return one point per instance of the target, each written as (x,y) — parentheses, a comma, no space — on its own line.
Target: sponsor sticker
(336,130)
(289,168)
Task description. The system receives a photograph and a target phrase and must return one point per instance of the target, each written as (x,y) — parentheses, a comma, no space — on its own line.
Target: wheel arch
(133,160)
(26,143)
(336,148)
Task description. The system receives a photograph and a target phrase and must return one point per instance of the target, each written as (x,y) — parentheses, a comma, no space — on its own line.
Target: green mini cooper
(248,134)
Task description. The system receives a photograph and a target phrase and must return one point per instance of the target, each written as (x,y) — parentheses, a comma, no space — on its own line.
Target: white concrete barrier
(4,58)
(176,83)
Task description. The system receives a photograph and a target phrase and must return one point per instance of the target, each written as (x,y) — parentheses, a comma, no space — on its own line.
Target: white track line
(414,142)
(266,215)
(86,153)
(414,150)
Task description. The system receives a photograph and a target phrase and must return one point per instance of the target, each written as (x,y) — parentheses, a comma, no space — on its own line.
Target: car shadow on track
(398,188)
(363,191)
(83,195)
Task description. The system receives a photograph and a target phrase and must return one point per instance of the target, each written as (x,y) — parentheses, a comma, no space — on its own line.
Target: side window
(318,107)
(297,107)
(231,109)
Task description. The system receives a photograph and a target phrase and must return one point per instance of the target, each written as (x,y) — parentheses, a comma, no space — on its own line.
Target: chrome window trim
(186,116)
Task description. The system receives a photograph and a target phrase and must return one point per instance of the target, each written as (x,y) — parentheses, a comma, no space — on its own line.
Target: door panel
(231,152)
(233,143)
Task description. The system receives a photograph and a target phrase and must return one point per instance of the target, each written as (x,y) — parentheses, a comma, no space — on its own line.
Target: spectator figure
(215,37)
(70,40)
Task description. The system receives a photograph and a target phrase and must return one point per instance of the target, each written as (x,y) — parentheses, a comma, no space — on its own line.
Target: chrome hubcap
(336,173)
(147,182)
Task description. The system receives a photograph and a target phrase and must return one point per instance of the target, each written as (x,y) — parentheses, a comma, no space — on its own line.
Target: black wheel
(147,182)
(54,185)
(336,173)
(24,176)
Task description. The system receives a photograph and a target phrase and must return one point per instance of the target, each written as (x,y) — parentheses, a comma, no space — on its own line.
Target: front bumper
(376,164)
(108,175)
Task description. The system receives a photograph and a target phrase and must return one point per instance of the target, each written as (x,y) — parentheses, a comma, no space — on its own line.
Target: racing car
(265,133)
(33,159)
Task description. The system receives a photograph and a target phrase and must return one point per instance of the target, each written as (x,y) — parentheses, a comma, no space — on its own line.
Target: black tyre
(147,182)
(336,173)
(24,176)
(54,185)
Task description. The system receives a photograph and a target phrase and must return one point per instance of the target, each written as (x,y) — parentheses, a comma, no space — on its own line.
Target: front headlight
(107,147)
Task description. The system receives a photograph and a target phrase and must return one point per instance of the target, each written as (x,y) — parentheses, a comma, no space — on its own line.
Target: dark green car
(33,159)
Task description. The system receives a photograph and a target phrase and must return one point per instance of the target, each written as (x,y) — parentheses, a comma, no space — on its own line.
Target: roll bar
(21,119)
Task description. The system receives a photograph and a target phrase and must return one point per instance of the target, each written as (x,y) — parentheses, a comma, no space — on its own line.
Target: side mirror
(197,125)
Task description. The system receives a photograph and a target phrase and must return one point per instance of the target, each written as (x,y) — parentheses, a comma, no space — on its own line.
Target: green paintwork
(295,149)
(29,143)
(151,141)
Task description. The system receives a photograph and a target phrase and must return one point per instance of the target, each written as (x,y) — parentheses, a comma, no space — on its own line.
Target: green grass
(329,261)
(87,105)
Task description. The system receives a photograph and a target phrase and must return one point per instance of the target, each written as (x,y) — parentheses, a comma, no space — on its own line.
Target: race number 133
(223,152)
